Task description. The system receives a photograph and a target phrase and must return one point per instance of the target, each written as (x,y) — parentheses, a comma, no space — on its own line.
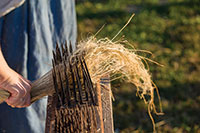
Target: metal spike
(68,93)
(73,80)
(94,97)
(54,57)
(63,95)
(57,46)
(58,54)
(66,49)
(78,81)
(84,80)
(87,85)
(55,83)
(70,47)
(63,50)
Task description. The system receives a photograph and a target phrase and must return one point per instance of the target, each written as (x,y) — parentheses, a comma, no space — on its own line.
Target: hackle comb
(73,107)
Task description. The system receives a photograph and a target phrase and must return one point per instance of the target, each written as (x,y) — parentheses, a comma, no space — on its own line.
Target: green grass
(171,31)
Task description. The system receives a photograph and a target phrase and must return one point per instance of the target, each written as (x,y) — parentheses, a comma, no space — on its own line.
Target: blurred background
(170,29)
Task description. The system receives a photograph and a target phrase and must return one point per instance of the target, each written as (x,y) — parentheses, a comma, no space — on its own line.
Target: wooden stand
(104,115)
(106,100)
(105,123)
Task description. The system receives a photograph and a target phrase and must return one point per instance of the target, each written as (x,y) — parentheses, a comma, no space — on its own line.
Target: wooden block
(103,112)
(107,105)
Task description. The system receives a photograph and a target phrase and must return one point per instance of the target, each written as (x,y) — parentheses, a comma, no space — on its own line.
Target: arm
(14,83)
(7,6)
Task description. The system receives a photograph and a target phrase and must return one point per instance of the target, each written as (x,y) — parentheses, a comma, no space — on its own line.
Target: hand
(19,88)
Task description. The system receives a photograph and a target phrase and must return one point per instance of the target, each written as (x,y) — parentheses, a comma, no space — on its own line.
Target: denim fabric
(27,37)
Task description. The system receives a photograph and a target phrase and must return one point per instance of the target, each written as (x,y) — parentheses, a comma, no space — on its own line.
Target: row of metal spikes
(72,81)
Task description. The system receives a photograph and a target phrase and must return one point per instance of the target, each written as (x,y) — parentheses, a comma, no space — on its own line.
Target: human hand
(19,88)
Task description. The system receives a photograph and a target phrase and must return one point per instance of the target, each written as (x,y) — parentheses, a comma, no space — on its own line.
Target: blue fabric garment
(27,37)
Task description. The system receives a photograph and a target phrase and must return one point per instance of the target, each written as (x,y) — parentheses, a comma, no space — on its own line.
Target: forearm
(7,6)
(3,67)
(14,83)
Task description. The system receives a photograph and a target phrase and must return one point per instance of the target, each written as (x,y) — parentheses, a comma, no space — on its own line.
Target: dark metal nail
(84,80)
(73,80)
(94,97)
(55,83)
(63,95)
(70,47)
(68,93)
(78,81)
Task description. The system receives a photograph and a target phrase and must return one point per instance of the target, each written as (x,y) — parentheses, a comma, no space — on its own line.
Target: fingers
(15,102)
(26,83)
(19,102)
(23,102)
(20,95)
(19,88)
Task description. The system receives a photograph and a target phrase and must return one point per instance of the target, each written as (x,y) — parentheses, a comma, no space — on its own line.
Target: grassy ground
(171,30)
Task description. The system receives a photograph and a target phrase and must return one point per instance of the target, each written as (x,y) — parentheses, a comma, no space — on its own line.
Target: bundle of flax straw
(105,57)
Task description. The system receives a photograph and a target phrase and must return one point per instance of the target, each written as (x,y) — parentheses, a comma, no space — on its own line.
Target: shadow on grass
(164,9)
(102,15)
(181,104)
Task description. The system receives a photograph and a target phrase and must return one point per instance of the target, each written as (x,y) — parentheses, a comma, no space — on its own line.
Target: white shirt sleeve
(7,6)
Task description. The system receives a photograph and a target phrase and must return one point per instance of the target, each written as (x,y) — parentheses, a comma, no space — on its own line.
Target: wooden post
(105,122)
(100,124)
(106,100)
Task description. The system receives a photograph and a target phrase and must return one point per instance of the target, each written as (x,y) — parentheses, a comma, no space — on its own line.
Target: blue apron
(27,37)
